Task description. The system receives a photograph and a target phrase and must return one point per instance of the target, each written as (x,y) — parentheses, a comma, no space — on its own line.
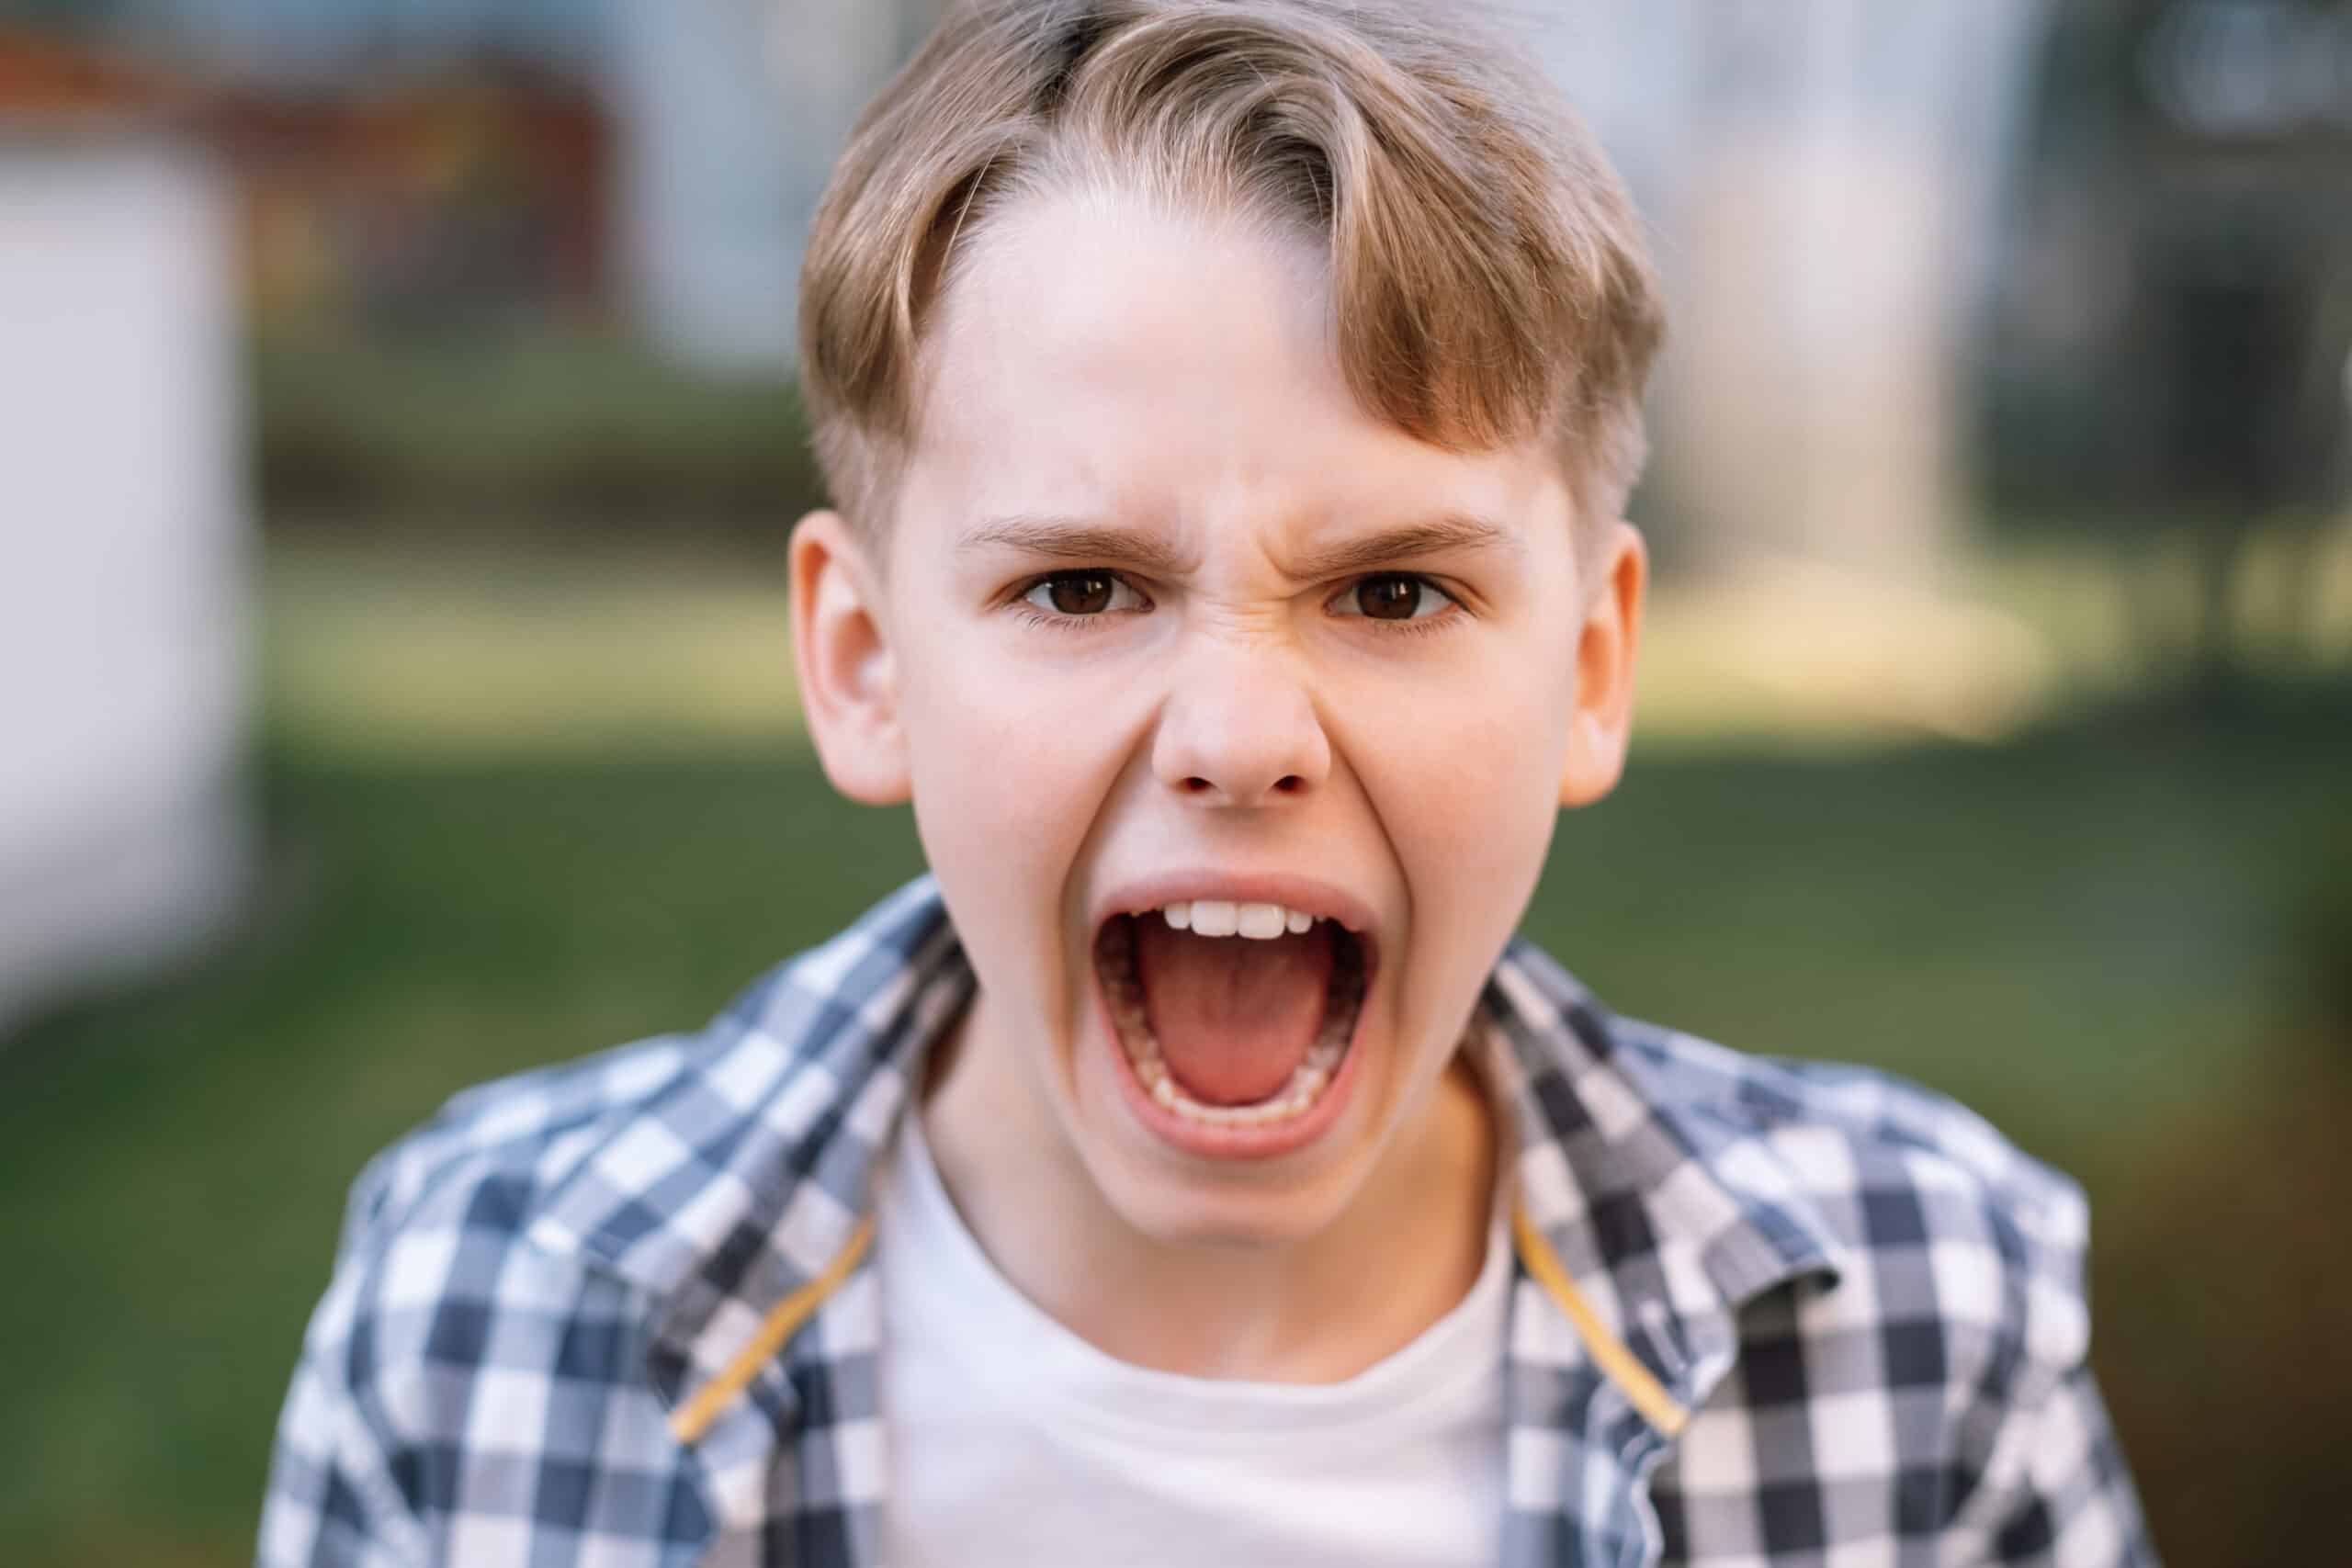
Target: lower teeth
(1303,1087)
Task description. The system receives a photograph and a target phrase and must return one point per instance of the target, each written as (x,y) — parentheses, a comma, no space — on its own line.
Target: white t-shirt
(1014,1443)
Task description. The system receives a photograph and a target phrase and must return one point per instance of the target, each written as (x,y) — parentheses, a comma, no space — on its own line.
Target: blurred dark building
(2173,335)
(438,205)
(2171,358)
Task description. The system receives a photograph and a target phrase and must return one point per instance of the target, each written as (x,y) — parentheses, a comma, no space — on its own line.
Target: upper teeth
(1222,917)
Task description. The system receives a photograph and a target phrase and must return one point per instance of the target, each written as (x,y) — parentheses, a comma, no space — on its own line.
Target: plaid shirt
(618,1313)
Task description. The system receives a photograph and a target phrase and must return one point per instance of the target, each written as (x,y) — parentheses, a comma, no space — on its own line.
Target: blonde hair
(1490,278)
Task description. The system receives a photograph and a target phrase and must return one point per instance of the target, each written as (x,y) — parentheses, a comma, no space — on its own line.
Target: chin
(1195,1210)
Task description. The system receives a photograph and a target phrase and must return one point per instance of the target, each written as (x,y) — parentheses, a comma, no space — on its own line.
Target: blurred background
(398,445)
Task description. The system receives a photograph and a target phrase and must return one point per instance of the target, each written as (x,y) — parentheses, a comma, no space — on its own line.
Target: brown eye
(1390,598)
(1082,594)
(1398,597)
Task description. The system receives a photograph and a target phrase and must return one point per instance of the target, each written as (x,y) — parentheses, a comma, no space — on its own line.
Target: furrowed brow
(1452,532)
(1079,541)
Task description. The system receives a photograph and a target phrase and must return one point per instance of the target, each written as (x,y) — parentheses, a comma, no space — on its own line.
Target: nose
(1238,731)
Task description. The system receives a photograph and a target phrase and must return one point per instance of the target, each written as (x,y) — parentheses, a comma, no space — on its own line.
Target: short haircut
(1490,282)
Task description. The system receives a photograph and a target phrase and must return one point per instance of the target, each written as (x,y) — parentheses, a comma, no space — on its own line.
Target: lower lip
(1203,1141)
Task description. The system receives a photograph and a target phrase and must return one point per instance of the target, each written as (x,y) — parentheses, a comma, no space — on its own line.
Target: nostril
(1289,783)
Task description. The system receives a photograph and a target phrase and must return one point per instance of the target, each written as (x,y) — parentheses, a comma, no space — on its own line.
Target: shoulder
(586,1191)
(439,1292)
(492,1148)
(440,1226)
(448,1347)
(1958,1257)
(1914,1208)
(437,1257)
(525,1278)
(1935,1365)
(494,1153)
(1863,1134)
(467,1346)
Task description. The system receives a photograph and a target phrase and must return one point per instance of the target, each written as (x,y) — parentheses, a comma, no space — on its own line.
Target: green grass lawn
(2084,934)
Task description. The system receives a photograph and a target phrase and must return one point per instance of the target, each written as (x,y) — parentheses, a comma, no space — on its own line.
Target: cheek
(1463,764)
(1012,746)
(1011,762)
(1464,774)
(1471,827)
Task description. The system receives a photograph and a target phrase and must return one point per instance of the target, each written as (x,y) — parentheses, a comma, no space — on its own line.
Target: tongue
(1234,1016)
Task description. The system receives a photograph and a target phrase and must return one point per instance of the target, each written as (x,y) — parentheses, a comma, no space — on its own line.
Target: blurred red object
(482,190)
(44,77)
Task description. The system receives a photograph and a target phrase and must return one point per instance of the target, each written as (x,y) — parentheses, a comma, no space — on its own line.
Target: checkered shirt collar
(745,1178)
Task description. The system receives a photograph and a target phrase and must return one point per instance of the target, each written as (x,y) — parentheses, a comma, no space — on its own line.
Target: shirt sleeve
(333,1499)
(2058,1493)
(332,1502)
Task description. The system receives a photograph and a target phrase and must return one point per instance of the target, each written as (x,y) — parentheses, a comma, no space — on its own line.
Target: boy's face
(1166,617)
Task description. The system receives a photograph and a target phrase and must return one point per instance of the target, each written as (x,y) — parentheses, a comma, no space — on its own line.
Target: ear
(849,684)
(1603,723)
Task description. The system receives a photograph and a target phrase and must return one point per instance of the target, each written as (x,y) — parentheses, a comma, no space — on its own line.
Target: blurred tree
(2171,343)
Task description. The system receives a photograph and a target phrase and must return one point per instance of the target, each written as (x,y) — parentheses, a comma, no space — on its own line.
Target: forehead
(1097,354)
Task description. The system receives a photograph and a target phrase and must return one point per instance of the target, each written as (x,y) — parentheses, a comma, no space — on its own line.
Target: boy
(1230,407)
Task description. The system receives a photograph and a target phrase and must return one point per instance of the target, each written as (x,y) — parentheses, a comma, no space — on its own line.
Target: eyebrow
(1448,532)
(1076,539)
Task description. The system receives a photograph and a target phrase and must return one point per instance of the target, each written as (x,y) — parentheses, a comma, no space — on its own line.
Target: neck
(1296,1312)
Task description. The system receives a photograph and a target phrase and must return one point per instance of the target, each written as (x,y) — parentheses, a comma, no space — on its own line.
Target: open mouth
(1235,1016)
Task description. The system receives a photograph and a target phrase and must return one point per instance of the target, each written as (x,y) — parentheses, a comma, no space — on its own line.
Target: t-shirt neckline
(1006,1338)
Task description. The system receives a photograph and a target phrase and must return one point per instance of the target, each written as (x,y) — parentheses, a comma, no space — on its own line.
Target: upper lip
(1310,894)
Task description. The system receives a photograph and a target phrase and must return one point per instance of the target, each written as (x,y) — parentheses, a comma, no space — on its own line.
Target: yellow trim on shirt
(1620,1366)
(692,1420)
(1647,1394)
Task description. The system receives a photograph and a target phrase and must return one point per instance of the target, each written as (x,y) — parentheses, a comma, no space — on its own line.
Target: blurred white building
(730,114)
(122,562)
(1823,180)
